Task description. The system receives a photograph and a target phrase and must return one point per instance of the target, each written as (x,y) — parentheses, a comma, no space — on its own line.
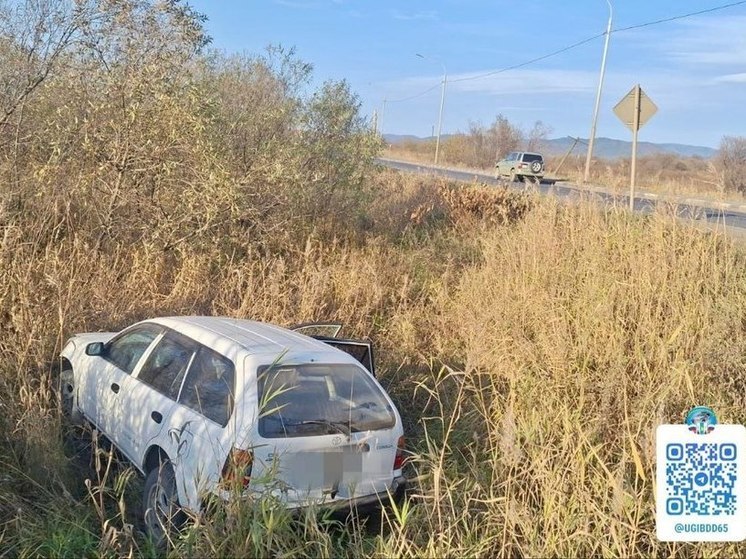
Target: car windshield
(531,157)
(312,400)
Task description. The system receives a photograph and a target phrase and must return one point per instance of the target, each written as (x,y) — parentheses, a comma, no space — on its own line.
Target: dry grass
(532,356)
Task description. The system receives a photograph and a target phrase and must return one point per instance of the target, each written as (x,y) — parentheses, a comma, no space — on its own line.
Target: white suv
(199,404)
(520,164)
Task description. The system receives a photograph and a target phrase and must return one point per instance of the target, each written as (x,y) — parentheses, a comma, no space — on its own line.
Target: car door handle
(156,416)
(114,387)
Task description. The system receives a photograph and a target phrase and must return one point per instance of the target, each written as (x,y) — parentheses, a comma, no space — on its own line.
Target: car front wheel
(161,512)
(68,402)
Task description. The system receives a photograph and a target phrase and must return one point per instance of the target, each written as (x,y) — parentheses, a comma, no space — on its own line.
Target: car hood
(90,337)
(82,340)
(78,342)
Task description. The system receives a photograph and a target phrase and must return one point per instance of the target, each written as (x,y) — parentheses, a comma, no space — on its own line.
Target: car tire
(68,397)
(162,515)
(536,167)
(513,176)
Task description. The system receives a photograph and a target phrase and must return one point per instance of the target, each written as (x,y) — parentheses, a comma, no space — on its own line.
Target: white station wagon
(199,404)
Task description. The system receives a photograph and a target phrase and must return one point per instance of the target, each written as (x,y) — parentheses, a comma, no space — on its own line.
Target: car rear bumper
(364,503)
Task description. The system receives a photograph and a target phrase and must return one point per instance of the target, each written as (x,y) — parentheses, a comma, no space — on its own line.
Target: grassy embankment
(531,347)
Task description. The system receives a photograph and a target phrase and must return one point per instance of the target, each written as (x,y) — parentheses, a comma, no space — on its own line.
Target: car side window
(125,350)
(168,363)
(210,385)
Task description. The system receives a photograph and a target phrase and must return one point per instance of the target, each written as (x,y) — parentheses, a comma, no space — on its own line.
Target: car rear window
(210,385)
(531,157)
(168,362)
(312,400)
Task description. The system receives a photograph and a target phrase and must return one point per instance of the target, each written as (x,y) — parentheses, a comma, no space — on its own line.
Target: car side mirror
(95,349)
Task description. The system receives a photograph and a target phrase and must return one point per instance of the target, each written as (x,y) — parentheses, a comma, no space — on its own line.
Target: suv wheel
(162,515)
(513,176)
(536,166)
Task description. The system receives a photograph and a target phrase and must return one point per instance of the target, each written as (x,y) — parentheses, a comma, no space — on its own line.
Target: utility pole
(442,102)
(440,114)
(592,138)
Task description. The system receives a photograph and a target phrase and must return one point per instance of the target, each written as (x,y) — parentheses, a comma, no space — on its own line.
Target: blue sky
(694,69)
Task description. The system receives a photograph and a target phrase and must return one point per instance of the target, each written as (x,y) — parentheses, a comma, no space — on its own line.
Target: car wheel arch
(154,457)
(67,392)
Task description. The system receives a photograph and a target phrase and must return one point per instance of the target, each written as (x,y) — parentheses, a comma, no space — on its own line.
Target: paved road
(712,214)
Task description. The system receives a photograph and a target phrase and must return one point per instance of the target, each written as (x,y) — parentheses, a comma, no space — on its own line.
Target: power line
(533,60)
(682,16)
(418,94)
(575,45)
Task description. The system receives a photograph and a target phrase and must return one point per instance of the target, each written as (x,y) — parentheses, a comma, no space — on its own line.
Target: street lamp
(442,101)
(592,138)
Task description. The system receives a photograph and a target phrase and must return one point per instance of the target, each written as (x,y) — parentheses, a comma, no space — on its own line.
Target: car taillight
(399,458)
(523,165)
(237,468)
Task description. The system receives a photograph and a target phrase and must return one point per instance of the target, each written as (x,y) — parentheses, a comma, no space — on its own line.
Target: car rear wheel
(161,512)
(513,176)
(536,166)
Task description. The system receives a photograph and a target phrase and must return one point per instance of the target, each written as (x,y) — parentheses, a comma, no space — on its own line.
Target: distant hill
(604,147)
(612,149)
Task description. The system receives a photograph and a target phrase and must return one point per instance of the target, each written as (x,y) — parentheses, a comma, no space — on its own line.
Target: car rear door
(148,399)
(203,426)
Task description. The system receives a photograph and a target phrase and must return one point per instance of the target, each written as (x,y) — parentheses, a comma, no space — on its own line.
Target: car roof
(255,337)
(531,153)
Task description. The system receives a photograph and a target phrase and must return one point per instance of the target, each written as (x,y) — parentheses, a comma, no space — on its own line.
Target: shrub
(731,163)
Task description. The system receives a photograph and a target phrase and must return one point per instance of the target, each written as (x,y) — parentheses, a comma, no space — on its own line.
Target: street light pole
(442,103)
(383,113)
(592,138)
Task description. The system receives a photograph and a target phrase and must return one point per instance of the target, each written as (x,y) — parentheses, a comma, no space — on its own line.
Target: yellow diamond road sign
(625,109)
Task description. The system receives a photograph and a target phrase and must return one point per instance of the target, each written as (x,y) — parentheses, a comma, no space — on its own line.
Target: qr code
(700,479)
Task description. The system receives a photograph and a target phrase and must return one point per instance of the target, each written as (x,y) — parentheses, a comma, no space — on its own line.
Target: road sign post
(634,110)
(635,130)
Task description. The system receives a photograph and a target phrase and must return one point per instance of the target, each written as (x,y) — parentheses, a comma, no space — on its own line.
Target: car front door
(108,375)
(360,350)
(327,332)
(504,164)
